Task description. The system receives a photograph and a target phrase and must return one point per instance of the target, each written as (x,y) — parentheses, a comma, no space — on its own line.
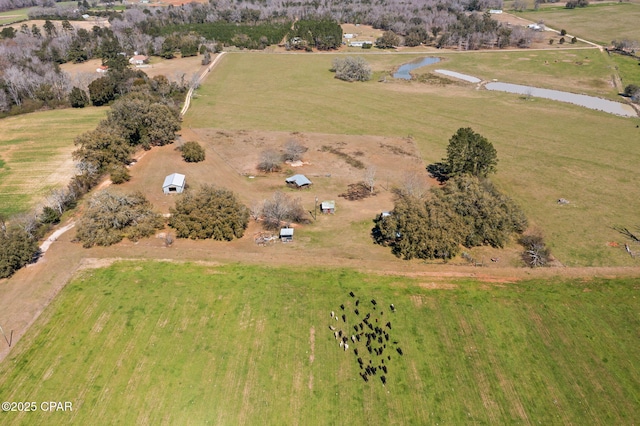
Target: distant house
(535,27)
(349,36)
(328,207)
(359,43)
(138,60)
(175,182)
(495,11)
(299,181)
(286,235)
(102,69)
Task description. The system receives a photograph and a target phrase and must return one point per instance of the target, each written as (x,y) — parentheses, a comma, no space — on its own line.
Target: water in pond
(403,71)
(583,100)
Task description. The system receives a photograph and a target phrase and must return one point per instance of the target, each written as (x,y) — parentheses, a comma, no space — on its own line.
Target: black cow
(357,302)
(384,380)
(399,351)
(344,318)
(351,294)
(356,311)
(373,302)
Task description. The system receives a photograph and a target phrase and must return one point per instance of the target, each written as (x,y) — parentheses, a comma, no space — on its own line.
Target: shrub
(78,98)
(192,152)
(17,248)
(119,174)
(50,215)
(210,212)
(352,69)
(632,91)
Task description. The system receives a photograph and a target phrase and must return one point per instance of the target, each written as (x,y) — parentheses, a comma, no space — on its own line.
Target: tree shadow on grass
(439,171)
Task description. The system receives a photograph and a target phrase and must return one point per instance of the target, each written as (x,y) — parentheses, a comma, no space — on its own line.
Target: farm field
(11,16)
(165,342)
(34,159)
(546,150)
(599,23)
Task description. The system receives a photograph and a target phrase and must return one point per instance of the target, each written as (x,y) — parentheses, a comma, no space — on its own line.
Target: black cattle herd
(364,327)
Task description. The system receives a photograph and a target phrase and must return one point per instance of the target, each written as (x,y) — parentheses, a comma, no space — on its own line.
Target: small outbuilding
(328,207)
(286,235)
(299,181)
(175,182)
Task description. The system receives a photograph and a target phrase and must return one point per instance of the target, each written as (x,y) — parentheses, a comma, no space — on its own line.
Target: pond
(590,102)
(403,71)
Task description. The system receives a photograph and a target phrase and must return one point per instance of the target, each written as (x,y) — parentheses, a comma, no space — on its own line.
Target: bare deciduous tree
(370,177)
(414,183)
(270,161)
(293,150)
(281,207)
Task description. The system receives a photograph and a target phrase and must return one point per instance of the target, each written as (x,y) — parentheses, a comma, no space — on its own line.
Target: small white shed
(286,235)
(173,183)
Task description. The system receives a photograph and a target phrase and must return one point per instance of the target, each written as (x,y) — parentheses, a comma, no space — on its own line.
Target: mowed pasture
(35,154)
(163,342)
(547,150)
(599,23)
(11,16)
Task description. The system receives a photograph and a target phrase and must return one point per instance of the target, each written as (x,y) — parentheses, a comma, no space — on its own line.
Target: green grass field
(12,16)
(35,154)
(629,69)
(181,343)
(599,23)
(547,150)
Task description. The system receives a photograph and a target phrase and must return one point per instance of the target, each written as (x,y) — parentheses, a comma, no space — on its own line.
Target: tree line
(143,116)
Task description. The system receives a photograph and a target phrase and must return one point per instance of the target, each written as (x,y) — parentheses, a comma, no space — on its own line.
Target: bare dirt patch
(438,286)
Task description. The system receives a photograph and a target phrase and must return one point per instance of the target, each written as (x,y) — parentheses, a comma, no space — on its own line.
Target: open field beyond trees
(11,16)
(168,342)
(35,154)
(547,150)
(599,23)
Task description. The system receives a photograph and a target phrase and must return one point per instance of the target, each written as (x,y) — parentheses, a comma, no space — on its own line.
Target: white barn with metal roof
(175,182)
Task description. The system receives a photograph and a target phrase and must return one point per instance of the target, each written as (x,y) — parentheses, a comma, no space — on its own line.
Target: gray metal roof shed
(298,180)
